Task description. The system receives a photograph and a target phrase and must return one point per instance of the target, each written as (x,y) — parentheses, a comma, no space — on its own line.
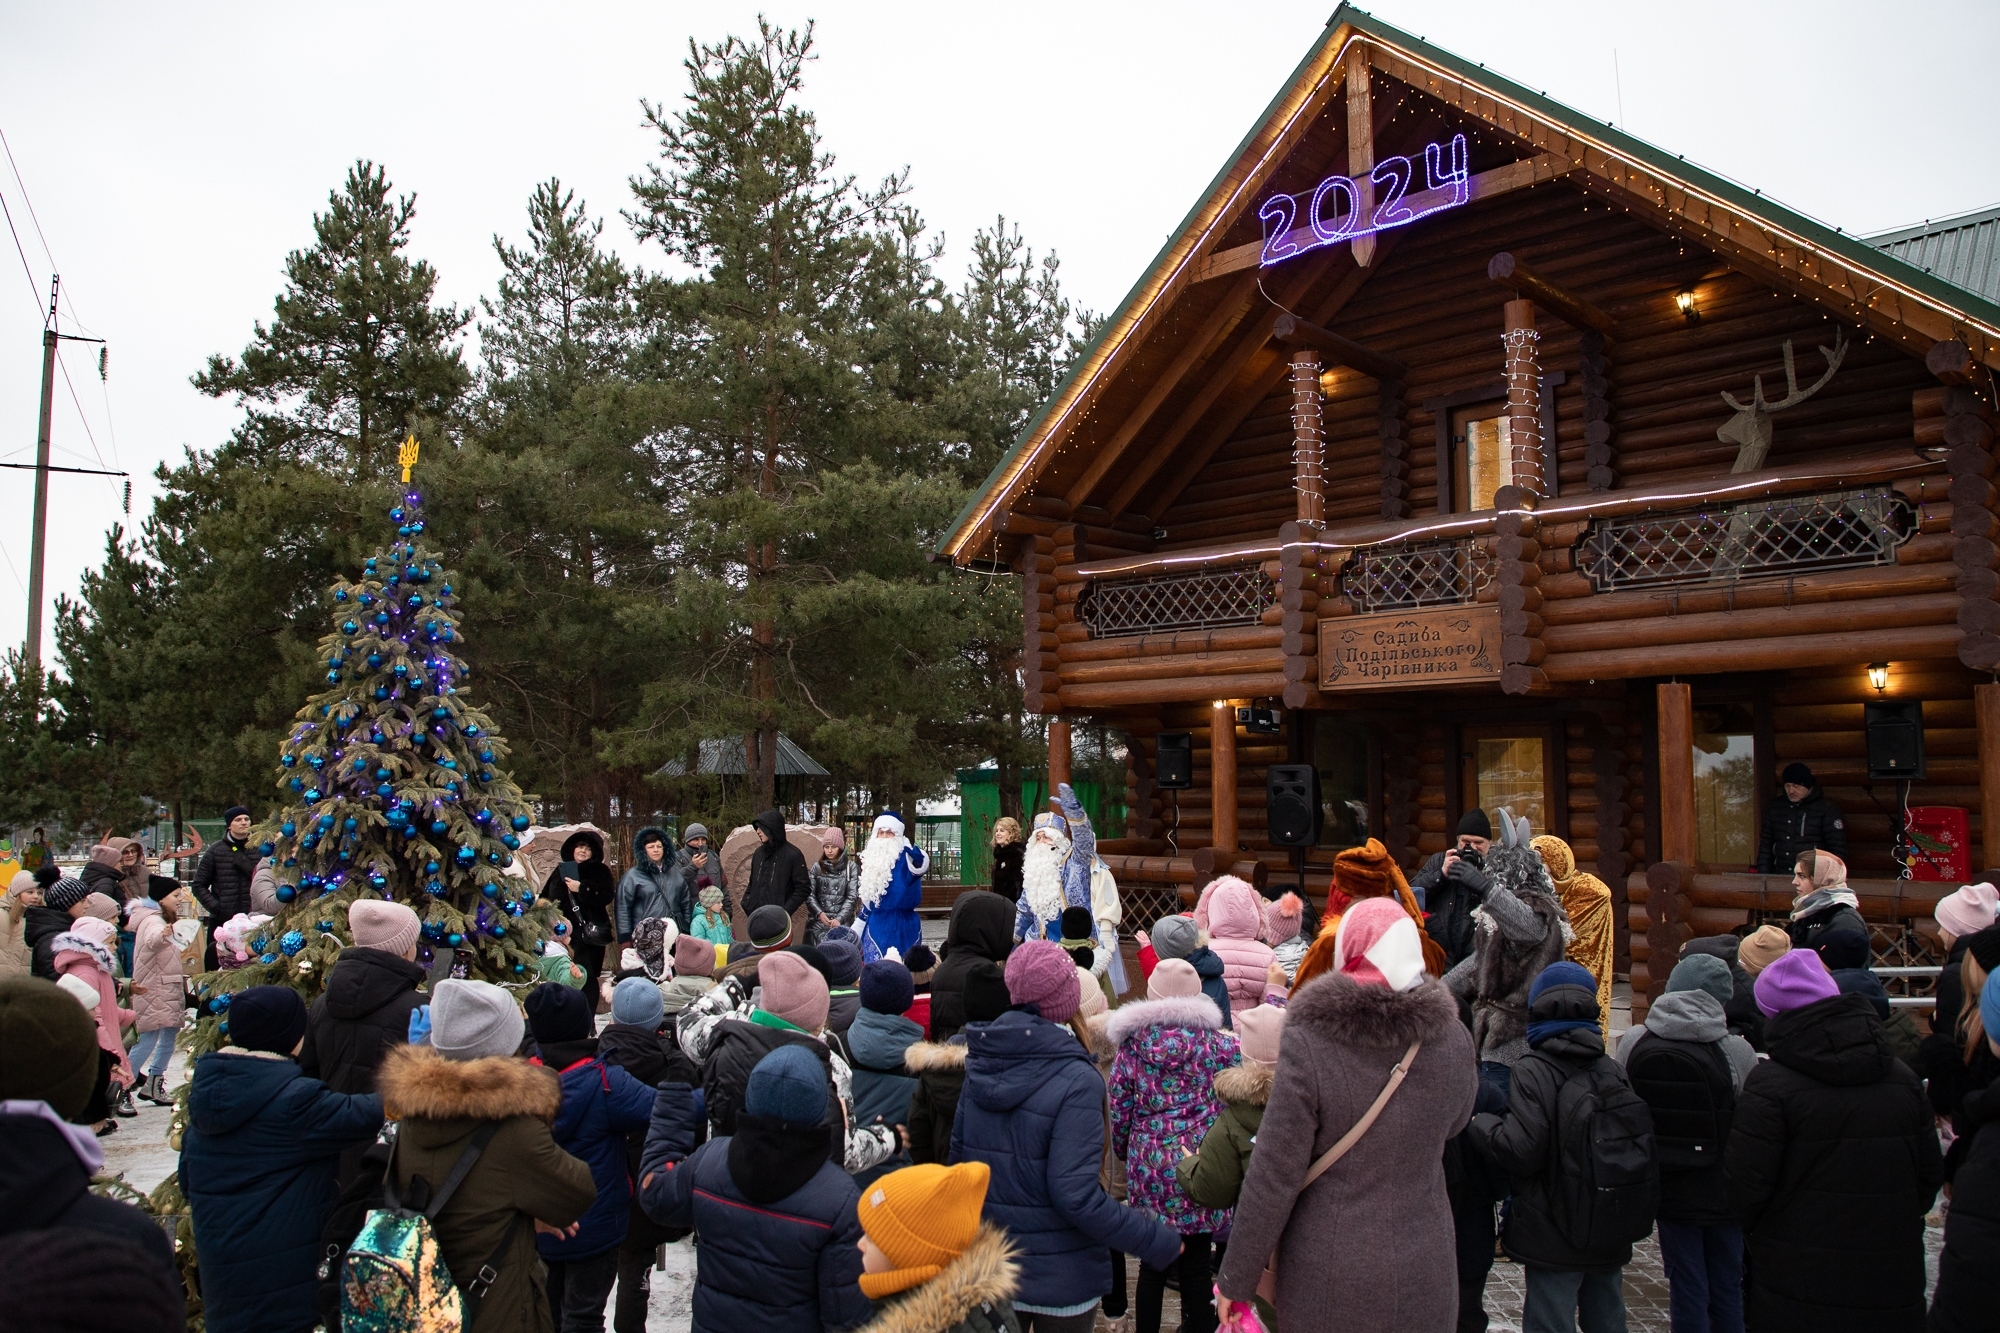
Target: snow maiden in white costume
(892,886)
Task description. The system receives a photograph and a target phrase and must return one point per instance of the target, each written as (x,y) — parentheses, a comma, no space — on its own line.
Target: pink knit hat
(1793,982)
(693,957)
(102,907)
(1282,918)
(1040,973)
(1259,1030)
(796,992)
(1378,945)
(834,837)
(1091,995)
(390,927)
(1969,910)
(1174,978)
(95,929)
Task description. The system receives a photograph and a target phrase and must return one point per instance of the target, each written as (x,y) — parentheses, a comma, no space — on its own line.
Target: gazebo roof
(725,757)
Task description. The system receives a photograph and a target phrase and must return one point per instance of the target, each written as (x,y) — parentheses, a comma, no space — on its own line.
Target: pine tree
(394,787)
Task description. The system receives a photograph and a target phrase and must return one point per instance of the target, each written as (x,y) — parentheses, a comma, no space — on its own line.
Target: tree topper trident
(407,455)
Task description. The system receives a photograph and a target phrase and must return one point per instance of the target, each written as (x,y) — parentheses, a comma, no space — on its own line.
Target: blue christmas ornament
(430,867)
(265,848)
(292,942)
(467,855)
(498,930)
(340,594)
(374,660)
(416,600)
(381,617)
(454,939)
(385,791)
(349,627)
(486,756)
(324,926)
(402,668)
(326,821)
(384,774)
(519,823)
(296,784)
(448,763)
(289,761)
(484,815)
(490,890)
(493,858)
(312,793)
(288,828)
(286,893)
(438,826)
(434,888)
(440,712)
(562,927)
(333,678)
(351,824)
(317,761)
(510,840)
(519,968)
(268,959)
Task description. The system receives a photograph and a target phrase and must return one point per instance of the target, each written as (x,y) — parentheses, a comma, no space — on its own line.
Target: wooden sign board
(1447,645)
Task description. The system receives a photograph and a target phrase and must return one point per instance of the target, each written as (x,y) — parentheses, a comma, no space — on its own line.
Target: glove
(420,1025)
(1469,877)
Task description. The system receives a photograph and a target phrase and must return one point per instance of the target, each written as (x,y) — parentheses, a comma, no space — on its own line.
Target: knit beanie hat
(812,955)
(794,990)
(267,1018)
(1796,774)
(1092,1000)
(1989,1004)
(770,928)
(921,1218)
(158,887)
(637,1001)
(1259,1031)
(1175,936)
(51,1045)
(1282,918)
(557,1013)
(47,873)
(1367,871)
(100,907)
(65,893)
(474,1019)
(886,988)
(1985,946)
(1763,947)
(1040,973)
(1076,923)
(23,881)
(692,832)
(835,837)
(1174,978)
(1840,949)
(922,963)
(789,1084)
(1969,910)
(1377,945)
(1704,972)
(104,855)
(97,929)
(1476,823)
(842,948)
(1793,982)
(709,896)
(986,996)
(693,957)
(390,927)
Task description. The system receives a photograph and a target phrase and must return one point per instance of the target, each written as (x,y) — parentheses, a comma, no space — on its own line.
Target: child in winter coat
(84,952)
(1282,920)
(158,998)
(258,1164)
(939,1068)
(601,1105)
(1181,937)
(879,1040)
(1170,1048)
(775,1220)
(1236,934)
(694,974)
(928,1262)
(640,1041)
(711,919)
(1213,1176)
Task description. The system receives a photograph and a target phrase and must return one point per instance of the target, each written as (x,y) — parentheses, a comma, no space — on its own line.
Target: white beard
(1041,878)
(878,864)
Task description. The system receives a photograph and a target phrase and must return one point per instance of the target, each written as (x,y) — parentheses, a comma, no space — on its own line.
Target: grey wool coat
(1341,1039)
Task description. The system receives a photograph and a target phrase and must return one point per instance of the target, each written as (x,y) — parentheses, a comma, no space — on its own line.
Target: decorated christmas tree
(394,787)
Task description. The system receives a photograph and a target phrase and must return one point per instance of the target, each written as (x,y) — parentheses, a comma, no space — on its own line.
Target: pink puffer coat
(87,962)
(156,972)
(1236,928)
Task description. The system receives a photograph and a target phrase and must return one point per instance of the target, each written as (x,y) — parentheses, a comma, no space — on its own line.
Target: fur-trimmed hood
(1342,1010)
(924,1056)
(1180,1011)
(987,1272)
(417,1083)
(1246,1084)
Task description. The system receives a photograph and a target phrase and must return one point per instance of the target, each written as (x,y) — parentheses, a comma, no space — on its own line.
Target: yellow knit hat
(922,1218)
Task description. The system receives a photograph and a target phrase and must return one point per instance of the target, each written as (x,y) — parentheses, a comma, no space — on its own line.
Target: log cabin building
(1477,453)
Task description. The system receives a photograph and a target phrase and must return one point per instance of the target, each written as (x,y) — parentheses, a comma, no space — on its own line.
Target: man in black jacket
(777,871)
(1803,821)
(1452,883)
(222,881)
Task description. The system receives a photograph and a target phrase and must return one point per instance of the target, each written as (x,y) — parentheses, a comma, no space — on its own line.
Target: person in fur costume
(1518,930)
(1281,931)
(1055,870)
(1361,873)
(890,889)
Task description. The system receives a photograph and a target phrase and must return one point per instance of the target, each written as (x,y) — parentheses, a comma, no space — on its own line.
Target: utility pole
(32,653)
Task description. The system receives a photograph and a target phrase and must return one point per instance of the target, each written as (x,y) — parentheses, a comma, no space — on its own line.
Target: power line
(34,289)
(35,218)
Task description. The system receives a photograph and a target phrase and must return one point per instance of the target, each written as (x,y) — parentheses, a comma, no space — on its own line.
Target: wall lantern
(1684,302)
(1878,676)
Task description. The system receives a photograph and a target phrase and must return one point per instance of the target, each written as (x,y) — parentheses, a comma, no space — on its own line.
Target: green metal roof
(1964,250)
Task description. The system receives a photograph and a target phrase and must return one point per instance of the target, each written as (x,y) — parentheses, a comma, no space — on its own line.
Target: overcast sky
(174,153)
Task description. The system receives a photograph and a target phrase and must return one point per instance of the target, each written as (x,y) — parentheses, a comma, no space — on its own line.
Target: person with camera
(1452,883)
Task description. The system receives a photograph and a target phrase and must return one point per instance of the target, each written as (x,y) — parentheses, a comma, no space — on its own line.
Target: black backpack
(1604,1185)
(1692,1095)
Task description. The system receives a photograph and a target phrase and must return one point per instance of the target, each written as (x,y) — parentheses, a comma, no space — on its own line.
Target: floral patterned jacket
(1163,1100)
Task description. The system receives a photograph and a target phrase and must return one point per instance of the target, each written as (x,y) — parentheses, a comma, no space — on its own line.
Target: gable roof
(725,757)
(1847,273)
(1964,250)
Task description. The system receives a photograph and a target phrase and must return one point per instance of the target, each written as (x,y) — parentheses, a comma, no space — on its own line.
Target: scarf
(1821,899)
(649,937)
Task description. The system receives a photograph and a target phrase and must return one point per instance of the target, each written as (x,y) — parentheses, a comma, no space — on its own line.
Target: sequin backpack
(394,1278)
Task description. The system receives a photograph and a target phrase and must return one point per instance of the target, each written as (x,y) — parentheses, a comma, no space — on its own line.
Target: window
(1510,770)
(1480,459)
(1725,785)
(1340,753)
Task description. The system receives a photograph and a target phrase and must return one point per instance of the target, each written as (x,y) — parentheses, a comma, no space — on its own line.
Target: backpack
(1688,1086)
(394,1278)
(1605,1184)
(362,1196)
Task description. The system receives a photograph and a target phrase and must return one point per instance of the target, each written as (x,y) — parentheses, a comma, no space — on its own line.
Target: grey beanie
(693,831)
(1702,971)
(474,1019)
(1175,936)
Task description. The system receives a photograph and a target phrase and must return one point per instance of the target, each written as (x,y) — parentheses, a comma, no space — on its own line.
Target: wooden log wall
(1600,454)
(1517,572)
(1389,412)
(1958,419)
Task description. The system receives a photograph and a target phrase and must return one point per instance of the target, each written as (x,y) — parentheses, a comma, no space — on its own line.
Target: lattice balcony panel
(1848,530)
(1206,599)
(1383,578)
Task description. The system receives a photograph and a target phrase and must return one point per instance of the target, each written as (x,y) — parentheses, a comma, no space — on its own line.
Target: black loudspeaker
(1174,770)
(1291,804)
(1895,730)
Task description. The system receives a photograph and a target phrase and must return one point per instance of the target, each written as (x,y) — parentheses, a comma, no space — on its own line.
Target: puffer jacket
(939,1068)
(883,1086)
(777,870)
(1968,1288)
(1213,1176)
(1033,1110)
(102,874)
(1832,1163)
(1163,1100)
(78,957)
(361,1016)
(1693,1020)
(221,881)
(979,937)
(601,1105)
(1905,1042)
(836,891)
(1235,923)
(1214,974)
(1825,920)
(972,1295)
(39,928)
(1792,827)
(733,1052)
(257,1164)
(655,1059)
(650,889)
(158,997)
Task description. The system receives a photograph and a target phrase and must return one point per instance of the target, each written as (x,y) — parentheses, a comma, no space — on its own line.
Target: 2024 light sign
(1333,211)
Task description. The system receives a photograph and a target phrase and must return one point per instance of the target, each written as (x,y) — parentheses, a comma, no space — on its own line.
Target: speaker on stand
(1292,809)
(1895,734)
(1173,770)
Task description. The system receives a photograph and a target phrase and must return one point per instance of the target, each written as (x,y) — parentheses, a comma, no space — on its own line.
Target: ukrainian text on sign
(1442,646)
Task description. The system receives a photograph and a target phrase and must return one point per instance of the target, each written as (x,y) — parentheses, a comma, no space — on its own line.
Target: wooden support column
(1524,397)
(1308,438)
(1986,712)
(1299,596)
(1679,840)
(1517,568)
(1222,777)
(1059,753)
(1361,147)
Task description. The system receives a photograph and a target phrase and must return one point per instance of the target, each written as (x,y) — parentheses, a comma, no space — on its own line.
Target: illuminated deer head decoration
(1750,428)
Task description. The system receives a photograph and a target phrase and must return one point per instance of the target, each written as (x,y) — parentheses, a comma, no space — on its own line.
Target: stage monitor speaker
(1174,770)
(1291,805)
(1895,729)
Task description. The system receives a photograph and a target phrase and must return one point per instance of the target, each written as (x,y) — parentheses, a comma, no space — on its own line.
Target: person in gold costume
(1586,901)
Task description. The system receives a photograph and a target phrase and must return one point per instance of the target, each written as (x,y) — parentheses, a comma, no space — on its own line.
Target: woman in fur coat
(1170,1048)
(1344,1034)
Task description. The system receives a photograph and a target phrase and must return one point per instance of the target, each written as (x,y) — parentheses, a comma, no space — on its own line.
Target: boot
(124,1107)
(155,1091)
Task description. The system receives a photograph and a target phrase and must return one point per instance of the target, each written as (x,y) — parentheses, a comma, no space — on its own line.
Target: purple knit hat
(1040,973)
(1793,982)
